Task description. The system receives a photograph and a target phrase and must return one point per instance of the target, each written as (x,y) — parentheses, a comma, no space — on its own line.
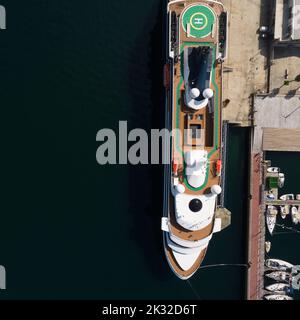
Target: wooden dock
(281,139)
(282,202)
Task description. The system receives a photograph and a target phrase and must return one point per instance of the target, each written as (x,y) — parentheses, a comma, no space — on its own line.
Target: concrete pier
(256,231)
(276,127)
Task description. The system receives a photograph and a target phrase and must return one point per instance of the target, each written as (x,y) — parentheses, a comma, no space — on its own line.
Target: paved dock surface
(245,69)
(285,66)
(276,112)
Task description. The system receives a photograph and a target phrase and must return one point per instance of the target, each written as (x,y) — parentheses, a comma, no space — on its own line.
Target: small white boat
(298,215)
(279,275)
(280,288)
(271,217)
(281,180)
(298,197)
(277,297)
(273,169)
(270,196)
(286,197)
(295,216)
(268,246)
(284,211)
(277,264)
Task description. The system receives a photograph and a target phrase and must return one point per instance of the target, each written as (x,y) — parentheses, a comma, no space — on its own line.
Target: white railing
(178,1)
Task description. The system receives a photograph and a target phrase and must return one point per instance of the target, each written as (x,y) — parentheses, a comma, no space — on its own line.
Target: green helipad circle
(200,19)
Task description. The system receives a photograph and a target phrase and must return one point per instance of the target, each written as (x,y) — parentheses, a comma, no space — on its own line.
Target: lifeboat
(218,168)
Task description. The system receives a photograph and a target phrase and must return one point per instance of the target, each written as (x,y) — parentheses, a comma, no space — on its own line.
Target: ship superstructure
(197,32)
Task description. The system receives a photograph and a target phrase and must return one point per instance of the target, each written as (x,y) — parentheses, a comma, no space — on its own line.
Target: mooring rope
(213,266)
(194,290)
(246,265)
(287,228)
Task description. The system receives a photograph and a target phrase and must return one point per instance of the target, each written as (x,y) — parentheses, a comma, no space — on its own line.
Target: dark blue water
(69,227)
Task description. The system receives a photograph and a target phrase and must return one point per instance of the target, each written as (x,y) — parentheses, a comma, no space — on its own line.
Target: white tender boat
(278,297)
(286,197)
(279,275)
(277,264)
(281,180)
(270,196)
(280,288)
(273,170)
(268,246)
(271,217)
(295,215)
(284,211)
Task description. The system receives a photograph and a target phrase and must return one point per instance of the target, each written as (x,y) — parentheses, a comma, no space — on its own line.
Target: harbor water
(71,228)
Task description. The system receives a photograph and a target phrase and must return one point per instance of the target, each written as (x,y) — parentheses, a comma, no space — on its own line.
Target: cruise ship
(196,37)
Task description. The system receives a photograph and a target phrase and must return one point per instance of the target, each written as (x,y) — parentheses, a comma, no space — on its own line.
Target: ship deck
(177,269)
(204,35)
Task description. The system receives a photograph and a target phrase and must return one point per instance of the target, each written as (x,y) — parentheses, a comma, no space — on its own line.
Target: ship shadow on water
(146,181)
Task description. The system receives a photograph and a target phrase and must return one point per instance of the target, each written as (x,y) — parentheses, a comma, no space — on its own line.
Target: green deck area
(273,182)
(201,20)
(216,118)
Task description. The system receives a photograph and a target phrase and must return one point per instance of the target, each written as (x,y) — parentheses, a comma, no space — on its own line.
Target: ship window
(195,131)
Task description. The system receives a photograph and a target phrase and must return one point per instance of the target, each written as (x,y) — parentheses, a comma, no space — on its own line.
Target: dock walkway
(256,232)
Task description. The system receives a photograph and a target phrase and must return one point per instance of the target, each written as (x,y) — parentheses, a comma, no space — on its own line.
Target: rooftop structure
(273,115)
(287,21)
(281,139)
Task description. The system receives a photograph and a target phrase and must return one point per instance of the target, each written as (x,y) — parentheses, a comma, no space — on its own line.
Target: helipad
(200,19)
